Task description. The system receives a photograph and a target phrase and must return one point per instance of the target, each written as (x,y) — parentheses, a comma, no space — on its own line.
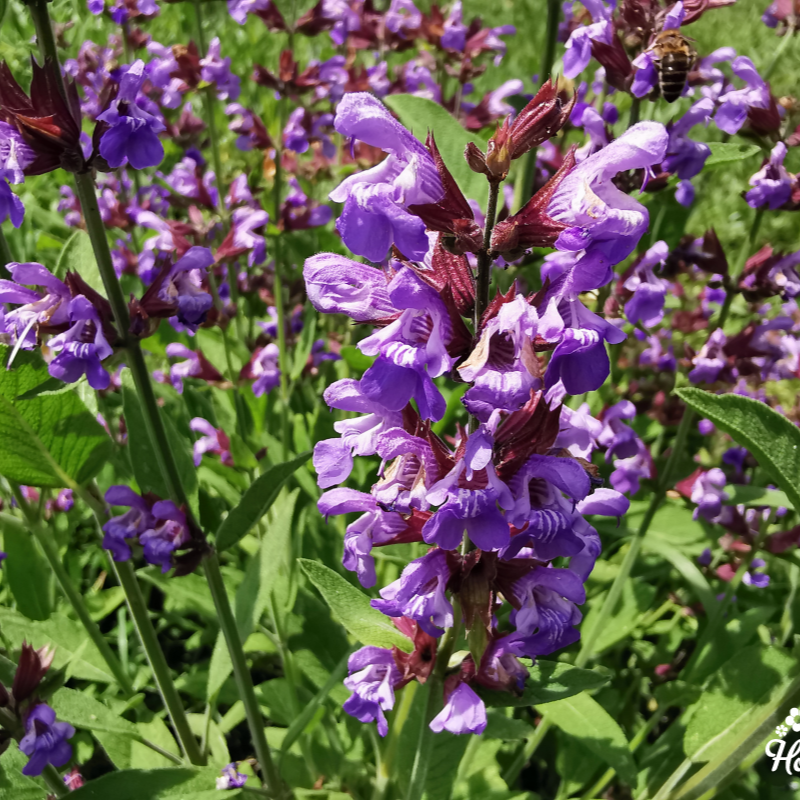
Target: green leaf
(83,711)
(13,784)
(748,683)
(547,682)
(74,650)
(729,152)
(768,435)
(756,496)
(266,586)
(421,115)
(78,256)
(27,572)
(46,441)
(256,502)
(637,598)
(687,568)
(351,607)
(499,726)
(775,688)
(584,718)
(143,457)
(155,784)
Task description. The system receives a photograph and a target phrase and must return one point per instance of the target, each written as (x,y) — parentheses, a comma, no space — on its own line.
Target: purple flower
(188,180)
(502,369)
(376,201)
(239,9)
(628,472)
(711,359)
(686,157)
(547,611)
(655,356)
(217,70)
(735,104)
(374,528)
(11,206)
(455,31)
(212,441)
(333,458)
(45,740)
(231,778)
(464,712)
(410,351)
(772,184)
(578,51)
(338,285)
(186,369)
(619,439)
(708,493)
(605,223)
(649,292)
(263,367)
(760,580)
(419,593)
(472,510)
(50,307)
(182,287)
(684,193)
(132,134)
(169,532)
(373,676)
(245,221)
(595,127)
(129,525)
(403,18)
(82,348)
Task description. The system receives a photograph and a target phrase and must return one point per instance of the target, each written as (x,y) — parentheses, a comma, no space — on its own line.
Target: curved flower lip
(339,285)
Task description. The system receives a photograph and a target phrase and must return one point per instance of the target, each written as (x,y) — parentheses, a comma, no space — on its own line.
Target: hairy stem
(484,276)
(44,537)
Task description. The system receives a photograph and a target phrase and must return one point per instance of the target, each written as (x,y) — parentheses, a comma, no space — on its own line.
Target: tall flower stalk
(87,195)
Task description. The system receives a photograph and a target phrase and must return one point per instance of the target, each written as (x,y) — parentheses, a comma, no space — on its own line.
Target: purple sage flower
(578,51)
(231,778)
(45,741)
(772,184)
(168,533)
(129,525)
(132,134)
(217,70)
(649,292)
(81,349)
(735,104)
(464,712)
(376,201)
(373,676)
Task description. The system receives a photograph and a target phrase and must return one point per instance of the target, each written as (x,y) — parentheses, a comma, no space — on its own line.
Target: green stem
(280,308)
(147,636)
(74,597)
(527,751)
(96,229)
(635,109)
(55,783)
(434,687)
(158,664)
(484,277)
(242,677)
(523,188)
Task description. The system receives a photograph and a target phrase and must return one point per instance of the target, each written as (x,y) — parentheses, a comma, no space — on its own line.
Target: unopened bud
(476,159)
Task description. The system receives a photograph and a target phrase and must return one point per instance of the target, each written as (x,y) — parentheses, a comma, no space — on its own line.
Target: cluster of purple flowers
(509,496)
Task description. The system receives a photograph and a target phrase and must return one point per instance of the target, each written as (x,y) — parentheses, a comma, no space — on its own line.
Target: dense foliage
(399,403)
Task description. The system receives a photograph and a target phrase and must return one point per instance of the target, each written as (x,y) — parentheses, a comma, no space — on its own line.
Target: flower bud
(498,155)
(476,159)
(31,669)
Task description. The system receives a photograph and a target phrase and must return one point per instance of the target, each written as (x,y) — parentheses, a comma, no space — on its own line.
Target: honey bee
(673,57)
